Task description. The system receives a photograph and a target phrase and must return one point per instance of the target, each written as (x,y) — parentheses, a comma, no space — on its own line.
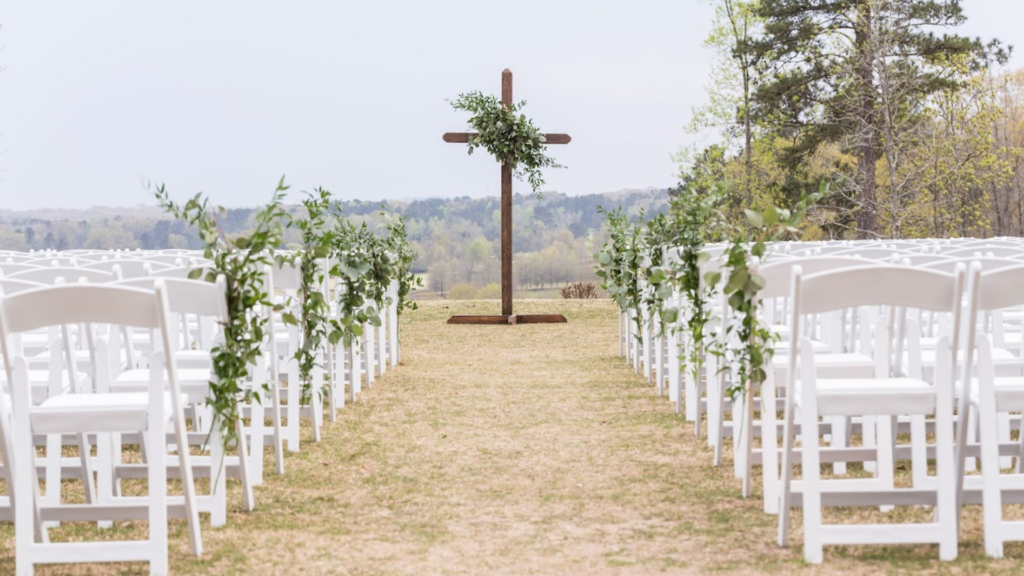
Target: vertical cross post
(507,316)
(506,210)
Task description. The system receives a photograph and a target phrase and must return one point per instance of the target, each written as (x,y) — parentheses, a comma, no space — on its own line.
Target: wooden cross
(507,317)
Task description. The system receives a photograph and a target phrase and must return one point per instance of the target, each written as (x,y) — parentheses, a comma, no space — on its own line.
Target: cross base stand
(510,319)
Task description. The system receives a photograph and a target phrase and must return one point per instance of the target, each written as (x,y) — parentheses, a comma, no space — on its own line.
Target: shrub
(490,292)
(580,291)
(462,291)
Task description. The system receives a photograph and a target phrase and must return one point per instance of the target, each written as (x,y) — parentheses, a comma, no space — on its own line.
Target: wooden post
(507,316)
(506,210)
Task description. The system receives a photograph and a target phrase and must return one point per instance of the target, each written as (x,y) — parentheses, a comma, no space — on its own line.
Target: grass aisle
(516,450)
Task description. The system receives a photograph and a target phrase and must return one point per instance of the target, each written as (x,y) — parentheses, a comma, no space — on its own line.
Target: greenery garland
(621,262)
(314,310)
(507,135)
(399,245)
(241,260)
(696,219)
(353,269)
(754,342)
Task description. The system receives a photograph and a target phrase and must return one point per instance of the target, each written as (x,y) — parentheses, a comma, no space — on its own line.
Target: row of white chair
(888,333)
(81,368)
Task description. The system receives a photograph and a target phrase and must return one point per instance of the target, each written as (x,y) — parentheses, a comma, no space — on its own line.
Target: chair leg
(1003,420)
(257,437)
(946,497)
(275,416)
(748,440)
(85,460)
(992,506)
(316,400)
(811,469)
(243,463)
(869,440)
(769,446)
(786,479)
(839,427)
(188,485)
(294,406)
(919,450)
(218,477)
(157,490)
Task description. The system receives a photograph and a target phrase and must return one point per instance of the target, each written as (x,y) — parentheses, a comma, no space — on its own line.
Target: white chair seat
(195,382)
(1009,393)
(193,359)
(782,347)
(847,365)
(40,380)
(114,412)
(1006,364)
(874,396)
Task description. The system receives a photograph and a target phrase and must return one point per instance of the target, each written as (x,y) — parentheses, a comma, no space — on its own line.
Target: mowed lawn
(510,450)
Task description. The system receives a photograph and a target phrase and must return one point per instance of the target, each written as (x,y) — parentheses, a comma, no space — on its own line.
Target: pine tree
(819,60)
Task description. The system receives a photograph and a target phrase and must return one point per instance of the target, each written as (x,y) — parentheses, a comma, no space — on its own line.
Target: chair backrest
(55,261)
(287,277)
(129,268)
(13,285)
(877,286)
(178,272)
(873,253)
(1001,288)
(176,260)
(986,264)
(17,258)
(924,259)
(986,251)
(189,296)
(69,275)
(1005,242)
(80,304)
(778,275)
(8,268)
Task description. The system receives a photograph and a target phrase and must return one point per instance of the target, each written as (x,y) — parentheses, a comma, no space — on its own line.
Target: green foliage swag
(315,312)
(364,266)
(636,251)
(507,135)
(241,260)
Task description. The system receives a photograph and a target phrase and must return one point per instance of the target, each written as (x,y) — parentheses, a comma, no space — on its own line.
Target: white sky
(225,97)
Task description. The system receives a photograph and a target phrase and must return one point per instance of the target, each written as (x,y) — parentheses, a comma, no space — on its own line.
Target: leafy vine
(314,318)
(754,342)
(398,244)
(507,135)
(241,260)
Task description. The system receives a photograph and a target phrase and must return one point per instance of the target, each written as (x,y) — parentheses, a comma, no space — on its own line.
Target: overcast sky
(224,97)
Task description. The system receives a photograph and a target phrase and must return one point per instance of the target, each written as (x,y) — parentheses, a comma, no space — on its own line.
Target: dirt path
(511,450)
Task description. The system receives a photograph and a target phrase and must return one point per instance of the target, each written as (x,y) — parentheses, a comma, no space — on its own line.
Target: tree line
(457,239)
(915,129)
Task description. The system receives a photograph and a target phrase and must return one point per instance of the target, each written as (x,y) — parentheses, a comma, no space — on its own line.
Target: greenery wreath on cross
(508,135)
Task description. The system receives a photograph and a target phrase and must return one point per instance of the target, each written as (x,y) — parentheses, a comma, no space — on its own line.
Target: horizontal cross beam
(463,137)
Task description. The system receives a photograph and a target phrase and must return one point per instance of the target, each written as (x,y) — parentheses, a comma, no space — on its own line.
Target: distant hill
(148,227)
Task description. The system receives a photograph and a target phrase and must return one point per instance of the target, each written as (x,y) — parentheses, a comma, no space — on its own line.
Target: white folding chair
(992,396)
(205,301)
(886,396)
(102,413)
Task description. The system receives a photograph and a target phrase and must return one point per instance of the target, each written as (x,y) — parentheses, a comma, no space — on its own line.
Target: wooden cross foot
(506,317)
(512,319)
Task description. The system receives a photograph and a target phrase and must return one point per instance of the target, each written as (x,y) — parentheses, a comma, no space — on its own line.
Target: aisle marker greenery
(241,260)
